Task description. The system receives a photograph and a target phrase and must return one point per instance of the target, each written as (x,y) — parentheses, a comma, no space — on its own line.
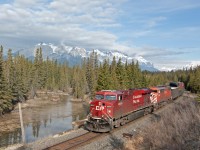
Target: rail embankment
(178,127)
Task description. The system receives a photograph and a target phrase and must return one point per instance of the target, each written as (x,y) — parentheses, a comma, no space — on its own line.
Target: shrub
(178,128)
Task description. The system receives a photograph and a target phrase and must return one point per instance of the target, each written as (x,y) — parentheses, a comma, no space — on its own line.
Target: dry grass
(177,128)
(117,144)
(134,144)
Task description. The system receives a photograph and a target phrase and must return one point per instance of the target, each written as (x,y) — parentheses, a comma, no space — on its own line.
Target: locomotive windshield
(99,97)
(107,97)
(110,97)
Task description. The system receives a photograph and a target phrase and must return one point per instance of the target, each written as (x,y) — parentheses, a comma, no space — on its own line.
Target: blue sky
(167,33)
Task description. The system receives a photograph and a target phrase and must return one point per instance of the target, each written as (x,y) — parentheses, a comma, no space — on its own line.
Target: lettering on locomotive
(99,108)
(137,96)
(136,101)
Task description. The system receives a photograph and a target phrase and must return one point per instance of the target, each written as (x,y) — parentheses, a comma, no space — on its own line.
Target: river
(46,120)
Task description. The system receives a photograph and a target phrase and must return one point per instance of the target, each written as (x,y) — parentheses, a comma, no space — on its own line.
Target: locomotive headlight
(109,111)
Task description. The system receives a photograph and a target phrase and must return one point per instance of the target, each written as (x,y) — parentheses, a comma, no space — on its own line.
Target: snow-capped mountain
(75,55)
(186,65)
(167,69)
(193,64)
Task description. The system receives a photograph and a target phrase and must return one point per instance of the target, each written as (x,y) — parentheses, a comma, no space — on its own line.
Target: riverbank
(48,141)
(42,117)
(10,121)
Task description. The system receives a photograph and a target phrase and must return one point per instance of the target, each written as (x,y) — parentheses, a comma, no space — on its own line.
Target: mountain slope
(74,55)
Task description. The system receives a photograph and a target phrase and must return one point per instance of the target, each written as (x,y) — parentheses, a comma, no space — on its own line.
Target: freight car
(112,108)
(177,89)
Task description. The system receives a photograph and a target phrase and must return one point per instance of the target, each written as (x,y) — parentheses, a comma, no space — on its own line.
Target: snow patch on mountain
(74,55)
(141,59)
(167,69)
(76,51)
(193,64)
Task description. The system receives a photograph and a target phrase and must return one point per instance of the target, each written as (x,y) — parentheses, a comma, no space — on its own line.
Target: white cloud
(27,3)
(60,20)
(158,6)
(87,24)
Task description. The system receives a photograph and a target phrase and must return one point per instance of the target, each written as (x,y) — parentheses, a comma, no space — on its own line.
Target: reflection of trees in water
(86,107)
(36,128)
(42,117)
(11,138)
(45,120)
(79,111)
(52,96)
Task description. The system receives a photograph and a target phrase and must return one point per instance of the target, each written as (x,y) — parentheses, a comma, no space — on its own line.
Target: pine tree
(130,74)
(92,73)
(41,71)
(19,88)
(115,84)
(49,74)
(5,94)
(137,74)
(121,75)
(9,71)
(104,80)
(11,76)
(126,76)
(83,76)
(78,80)
(63,83)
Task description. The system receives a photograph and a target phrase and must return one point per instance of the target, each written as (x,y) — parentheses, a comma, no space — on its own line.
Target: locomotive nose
(101,109)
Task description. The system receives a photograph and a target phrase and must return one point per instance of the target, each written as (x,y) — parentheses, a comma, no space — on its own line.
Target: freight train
(114,108)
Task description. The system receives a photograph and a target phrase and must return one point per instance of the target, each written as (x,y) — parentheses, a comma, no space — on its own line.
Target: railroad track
(84,139)
(88,137)
(75,142)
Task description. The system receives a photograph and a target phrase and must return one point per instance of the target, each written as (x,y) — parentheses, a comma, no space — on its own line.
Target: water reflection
(78,111)
(46,121)
(10,138)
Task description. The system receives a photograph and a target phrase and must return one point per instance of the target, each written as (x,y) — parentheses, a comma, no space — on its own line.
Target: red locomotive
(160,95)
(112,108)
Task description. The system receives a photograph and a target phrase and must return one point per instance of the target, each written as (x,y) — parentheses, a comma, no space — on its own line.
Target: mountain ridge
(75,55)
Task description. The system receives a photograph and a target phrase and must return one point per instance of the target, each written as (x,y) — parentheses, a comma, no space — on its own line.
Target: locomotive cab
(102,109)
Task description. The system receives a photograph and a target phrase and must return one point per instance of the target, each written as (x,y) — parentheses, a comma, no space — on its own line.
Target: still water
(46,121)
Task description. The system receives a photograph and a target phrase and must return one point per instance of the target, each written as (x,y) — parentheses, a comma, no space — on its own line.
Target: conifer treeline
(92,76)
(190,77)
(21,78)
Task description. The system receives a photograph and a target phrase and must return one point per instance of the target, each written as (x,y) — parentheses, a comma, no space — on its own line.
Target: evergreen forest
(21,78)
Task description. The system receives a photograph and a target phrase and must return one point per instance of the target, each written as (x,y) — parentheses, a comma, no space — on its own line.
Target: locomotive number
(136,101)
